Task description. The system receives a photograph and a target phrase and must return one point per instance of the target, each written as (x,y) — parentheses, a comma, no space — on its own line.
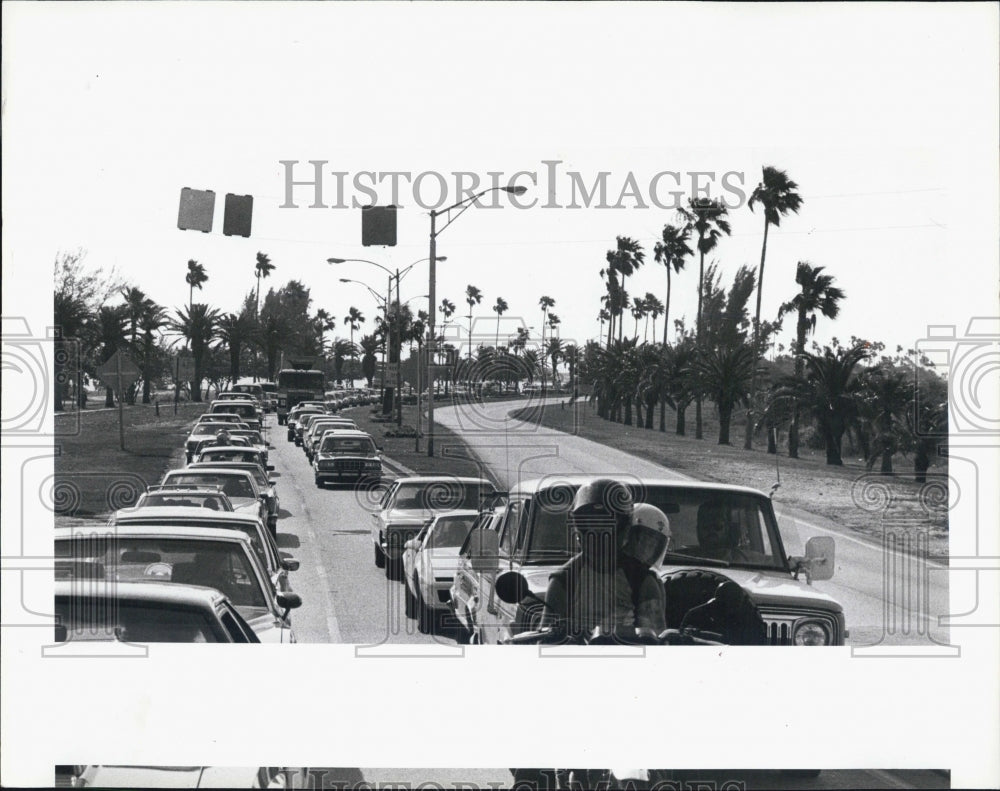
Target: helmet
(603,506)
(648,536)
(222,435)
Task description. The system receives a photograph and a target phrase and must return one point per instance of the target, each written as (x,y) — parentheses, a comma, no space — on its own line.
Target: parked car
(429,563)
(255,439)
(144,612)
(311,438)
(276,563)
(346,455)
(298,411)
(184,495)
(223,559)
(212,442)
(204,431)
(535,539)
(465,593)
(265,485)
(239,485)
(245,409)
(409,502)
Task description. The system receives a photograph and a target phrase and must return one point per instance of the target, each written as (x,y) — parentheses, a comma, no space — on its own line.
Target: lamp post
(396,340)
(462,205)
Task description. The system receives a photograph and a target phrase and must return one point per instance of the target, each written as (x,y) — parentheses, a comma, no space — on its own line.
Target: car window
(444,495)
(232,626)
(508,532)
(132,621)
(450,531)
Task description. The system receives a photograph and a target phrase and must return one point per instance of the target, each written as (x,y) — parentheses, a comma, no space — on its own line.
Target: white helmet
(648,535)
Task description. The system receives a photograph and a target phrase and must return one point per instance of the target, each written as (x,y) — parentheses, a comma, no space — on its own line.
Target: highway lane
(345,598)
(889,599)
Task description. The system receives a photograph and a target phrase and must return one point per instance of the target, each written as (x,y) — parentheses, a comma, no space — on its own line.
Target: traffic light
(196,210)
(239,213)
(378,226)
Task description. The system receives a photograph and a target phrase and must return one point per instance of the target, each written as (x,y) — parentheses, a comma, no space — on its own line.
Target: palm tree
(151,320)
(816,293)
(671,252)
(263,269)
(369,345)
(499,308)
(108,335)
(198,326)
(324,323)
(341,349)
(602,316)
(572,355)
(354,319)
(195,277)
(654,309)
(545,302)
(776,194)
(886,395)
(724,374)
(708,218)
(236,331)
(135,303)
(831,393)
(473,296)
(554,351)
(70,319)
(638,311)
(625,259)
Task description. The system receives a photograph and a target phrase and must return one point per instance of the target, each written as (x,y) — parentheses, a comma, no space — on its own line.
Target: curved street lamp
(462,206)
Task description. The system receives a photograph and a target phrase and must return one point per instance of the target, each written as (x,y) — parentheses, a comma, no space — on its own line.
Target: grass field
(862,501)
(95,476)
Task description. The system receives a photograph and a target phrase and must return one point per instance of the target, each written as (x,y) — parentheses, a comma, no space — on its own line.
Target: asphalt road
(889,600)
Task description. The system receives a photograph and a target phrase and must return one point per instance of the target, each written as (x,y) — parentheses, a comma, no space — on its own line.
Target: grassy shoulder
(94,476)
(852,497)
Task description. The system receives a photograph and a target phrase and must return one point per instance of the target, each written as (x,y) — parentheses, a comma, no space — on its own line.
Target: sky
(880,125)
(885,114)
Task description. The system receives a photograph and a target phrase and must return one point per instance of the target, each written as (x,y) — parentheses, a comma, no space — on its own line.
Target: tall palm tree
(135,302)
(473,296)
(554,352)
(341,349)
(654,309)
(625,259)
(776,194)
(198,326)
(816,294)
(500,307)
(153,317)
(545,302)
(671,252)
(324,323)
(354,319)
(369,345)
(263,269)
(602,316)
(638,311)
(195,277)
(708,218)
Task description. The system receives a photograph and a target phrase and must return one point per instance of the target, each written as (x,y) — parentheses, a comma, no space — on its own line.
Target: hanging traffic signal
(239,213)
(378,226)
(196,210)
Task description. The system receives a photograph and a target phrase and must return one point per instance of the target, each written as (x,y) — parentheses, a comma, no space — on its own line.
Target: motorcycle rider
(221,438)
(610,584)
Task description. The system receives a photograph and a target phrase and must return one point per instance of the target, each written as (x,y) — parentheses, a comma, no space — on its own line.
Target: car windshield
(443,495)
(136,622)
(301,380)
(253,437)
(730,528)
(231,455)
(233,485)
(343,446)
(237,408)
(450,531)
(223,565)
(194,500)
(210,429)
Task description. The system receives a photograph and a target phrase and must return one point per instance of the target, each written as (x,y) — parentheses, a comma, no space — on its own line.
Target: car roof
(209,467)
(159,592)
(169,512)
(69,533)
(240,448)
(458,512)
(578,479)
(348,433)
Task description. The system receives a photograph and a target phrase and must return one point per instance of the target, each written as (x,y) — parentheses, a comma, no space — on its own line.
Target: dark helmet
(222,434)
(603,505)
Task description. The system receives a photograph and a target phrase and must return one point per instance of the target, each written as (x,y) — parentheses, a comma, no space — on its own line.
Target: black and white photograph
(549,384)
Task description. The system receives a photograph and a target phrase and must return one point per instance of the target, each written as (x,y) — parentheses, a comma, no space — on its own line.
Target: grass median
(857,499)
(94,476)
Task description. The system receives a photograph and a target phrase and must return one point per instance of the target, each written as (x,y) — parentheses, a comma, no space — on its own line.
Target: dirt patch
(851,497)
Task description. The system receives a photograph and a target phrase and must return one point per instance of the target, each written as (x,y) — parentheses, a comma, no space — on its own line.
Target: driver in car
(611,584)
(718,535)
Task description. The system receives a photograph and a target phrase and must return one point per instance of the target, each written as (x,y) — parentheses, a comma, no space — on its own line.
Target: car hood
(768,588)
(245,504)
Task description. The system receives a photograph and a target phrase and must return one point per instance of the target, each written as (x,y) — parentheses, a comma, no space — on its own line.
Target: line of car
(196,558)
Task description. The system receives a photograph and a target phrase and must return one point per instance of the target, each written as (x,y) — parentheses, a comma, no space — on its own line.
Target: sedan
(239,485)
(146,612)
(429,563)
(209,557)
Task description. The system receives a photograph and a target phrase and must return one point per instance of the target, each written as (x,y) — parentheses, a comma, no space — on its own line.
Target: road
(888,599)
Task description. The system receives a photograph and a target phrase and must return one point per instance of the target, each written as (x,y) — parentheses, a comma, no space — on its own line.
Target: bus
(298,384)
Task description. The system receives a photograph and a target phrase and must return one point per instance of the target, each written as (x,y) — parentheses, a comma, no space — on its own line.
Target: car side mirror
(289,563)
(270,468)
(271,481)
(512,587)
(288,600)
(818,561)
(483,549)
